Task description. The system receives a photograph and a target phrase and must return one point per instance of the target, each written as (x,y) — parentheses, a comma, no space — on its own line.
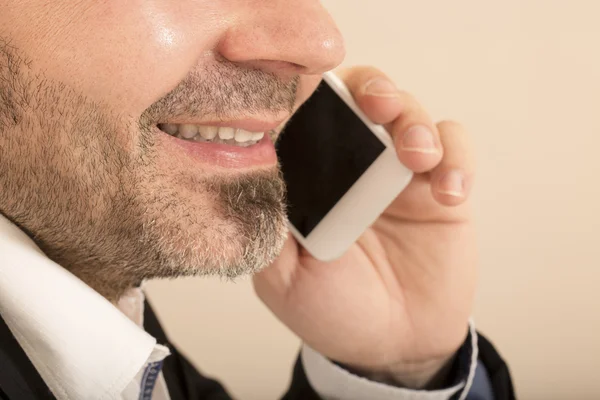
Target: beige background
(524,76)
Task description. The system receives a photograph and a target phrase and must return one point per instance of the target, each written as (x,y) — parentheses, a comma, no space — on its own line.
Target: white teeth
(208,132)
(226,133)
(188,131)
(213,134)
(242,136)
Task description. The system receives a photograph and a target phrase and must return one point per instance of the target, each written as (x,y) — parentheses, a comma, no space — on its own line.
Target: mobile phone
(341,171)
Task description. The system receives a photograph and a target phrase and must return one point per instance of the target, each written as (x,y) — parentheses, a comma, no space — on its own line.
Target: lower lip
(262,154)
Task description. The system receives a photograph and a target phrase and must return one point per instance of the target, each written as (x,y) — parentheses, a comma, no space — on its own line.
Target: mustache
(225,91)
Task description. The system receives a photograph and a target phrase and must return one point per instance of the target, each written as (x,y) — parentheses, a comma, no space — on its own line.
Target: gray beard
(105,211)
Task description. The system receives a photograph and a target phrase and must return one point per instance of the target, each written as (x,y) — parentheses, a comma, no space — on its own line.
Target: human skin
(106,194)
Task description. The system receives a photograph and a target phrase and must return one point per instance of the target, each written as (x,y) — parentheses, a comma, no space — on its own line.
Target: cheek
(125,54)
(164,41)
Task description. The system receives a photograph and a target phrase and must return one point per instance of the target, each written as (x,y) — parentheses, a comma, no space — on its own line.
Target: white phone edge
(366,200)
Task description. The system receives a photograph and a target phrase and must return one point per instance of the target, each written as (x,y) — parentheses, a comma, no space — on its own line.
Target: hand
(397,303)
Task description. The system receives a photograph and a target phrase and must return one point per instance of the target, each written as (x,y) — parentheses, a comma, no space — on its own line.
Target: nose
(285,37)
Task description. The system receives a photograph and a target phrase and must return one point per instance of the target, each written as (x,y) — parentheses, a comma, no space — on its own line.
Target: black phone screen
(323,151)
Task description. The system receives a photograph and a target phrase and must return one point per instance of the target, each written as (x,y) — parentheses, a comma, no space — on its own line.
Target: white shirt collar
(82,346)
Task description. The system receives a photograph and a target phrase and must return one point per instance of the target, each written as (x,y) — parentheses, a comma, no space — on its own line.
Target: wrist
(426,375)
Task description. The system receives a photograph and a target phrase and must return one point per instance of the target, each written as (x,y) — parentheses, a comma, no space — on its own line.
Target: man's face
(88,89)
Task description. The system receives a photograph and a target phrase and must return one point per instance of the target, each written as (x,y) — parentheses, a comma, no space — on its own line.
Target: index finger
(374,93)
(415,134)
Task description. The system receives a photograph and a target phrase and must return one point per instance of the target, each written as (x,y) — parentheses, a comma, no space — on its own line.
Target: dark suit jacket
(19,379)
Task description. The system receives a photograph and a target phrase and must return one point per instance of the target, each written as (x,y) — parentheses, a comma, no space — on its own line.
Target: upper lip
(250,124)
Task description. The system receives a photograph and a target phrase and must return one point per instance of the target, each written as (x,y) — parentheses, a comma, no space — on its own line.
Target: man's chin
(223,256)
(238,228)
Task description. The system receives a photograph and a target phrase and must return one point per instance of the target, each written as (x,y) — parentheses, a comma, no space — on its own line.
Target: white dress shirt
(86,348)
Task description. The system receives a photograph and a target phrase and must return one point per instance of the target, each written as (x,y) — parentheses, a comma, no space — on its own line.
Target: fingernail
(453,184)
(419,139)
(380,87)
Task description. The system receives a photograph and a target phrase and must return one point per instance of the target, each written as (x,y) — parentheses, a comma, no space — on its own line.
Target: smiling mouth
(214,134)
(234,144)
